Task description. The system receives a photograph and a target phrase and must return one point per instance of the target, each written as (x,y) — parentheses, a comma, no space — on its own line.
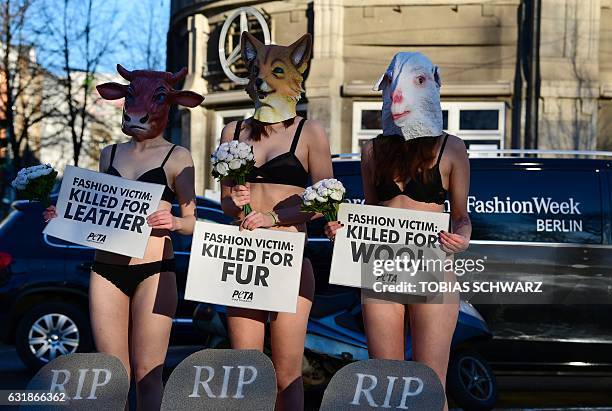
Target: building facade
(473,42)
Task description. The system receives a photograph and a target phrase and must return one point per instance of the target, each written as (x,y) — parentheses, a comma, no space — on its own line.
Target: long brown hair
(398,160)
(259,128)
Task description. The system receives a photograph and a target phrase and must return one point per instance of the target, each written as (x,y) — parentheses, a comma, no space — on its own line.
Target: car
(44,284)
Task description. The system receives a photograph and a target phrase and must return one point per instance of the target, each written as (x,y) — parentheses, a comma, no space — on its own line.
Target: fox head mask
(275,76)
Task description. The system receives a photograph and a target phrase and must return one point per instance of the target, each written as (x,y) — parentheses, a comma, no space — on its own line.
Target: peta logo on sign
(88,382)
(96,238)
(244,296)
(386,384)
(223,380)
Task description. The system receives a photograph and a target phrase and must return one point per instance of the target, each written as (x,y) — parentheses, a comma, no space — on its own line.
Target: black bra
(285,168)
(155,175)
(431,192)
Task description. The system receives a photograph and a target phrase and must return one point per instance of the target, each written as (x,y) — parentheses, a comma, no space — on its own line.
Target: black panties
(128,277)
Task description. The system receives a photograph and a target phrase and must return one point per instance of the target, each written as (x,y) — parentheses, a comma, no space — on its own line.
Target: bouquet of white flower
(233,160)
(324,197)
(35,183)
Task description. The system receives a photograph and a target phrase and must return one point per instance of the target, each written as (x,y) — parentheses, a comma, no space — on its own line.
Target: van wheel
(470,381)
(49,330)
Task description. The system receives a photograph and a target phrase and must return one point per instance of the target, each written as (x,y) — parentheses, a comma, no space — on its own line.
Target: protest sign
(387,250)
(257,269)
(391,384)
(222,380)
(80,382)
(104,212)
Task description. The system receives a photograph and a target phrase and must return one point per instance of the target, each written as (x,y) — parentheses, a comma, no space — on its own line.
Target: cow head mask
(411,97)
(148,98)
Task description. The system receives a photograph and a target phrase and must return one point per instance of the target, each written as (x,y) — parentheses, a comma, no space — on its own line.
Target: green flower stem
(241,180)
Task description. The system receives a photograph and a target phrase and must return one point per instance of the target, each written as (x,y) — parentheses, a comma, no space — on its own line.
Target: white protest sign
(383,248)
(104,212)
(257,269)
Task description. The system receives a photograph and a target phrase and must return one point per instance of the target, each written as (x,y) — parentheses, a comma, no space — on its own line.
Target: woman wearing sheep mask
(415,165)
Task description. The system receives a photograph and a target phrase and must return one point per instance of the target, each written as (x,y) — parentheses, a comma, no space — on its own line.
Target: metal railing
(504,153)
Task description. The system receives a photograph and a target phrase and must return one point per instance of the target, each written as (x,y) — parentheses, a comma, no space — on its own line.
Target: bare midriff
(158,248)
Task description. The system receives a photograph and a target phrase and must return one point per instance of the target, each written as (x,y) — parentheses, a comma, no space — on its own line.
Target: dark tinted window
(370,120)
(561,206)
(478,119)
(445,119)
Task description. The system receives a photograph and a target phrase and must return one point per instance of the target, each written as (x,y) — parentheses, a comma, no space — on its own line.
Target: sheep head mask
(411,97)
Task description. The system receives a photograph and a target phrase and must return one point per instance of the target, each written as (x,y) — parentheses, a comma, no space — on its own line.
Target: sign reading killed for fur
(257,269)
(388,250)
(104,212)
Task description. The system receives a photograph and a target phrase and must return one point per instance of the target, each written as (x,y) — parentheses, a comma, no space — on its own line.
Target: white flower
(307,203)
(250,157)
(235,164)
(222,168)
(222,155)
(321,199)
(336,195)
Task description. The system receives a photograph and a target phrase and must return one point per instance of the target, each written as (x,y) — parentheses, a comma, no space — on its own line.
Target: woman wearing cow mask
(288,150)
(415,165)
(133,300)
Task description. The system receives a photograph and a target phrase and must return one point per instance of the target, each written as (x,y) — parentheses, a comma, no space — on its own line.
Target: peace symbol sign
(227,60)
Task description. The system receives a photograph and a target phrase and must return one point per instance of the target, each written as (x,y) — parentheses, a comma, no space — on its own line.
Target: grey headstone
(387,384)
(217,379)
(89,381)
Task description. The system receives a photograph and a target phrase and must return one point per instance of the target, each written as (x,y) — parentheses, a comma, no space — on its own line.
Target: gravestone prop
(224,380)
(387,384)
(81,381)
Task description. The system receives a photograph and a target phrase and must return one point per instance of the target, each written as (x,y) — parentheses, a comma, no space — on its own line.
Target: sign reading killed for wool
(395,250)
(104,212)
(257,269)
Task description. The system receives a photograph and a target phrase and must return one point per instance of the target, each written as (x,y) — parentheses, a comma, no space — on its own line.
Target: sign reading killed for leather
(104,212)
(257,269)
(388,250)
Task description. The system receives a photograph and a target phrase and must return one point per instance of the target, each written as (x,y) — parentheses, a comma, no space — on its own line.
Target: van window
(555,206)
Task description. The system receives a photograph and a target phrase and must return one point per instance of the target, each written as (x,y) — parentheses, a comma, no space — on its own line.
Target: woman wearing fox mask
(415,165)
(133,300)
(288,150)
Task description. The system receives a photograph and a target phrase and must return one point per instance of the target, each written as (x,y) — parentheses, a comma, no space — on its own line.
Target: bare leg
(153,307)
(288,334)
(246,328)
(109,311)
(385,331)
(432,327)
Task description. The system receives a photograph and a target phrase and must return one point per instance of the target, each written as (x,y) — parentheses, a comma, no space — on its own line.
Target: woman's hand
(256,219)
(241,194)
(162,220)
(49,213)
(331,227)
(453,243)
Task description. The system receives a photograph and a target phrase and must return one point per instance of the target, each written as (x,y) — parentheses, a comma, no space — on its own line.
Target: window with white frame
(480,124)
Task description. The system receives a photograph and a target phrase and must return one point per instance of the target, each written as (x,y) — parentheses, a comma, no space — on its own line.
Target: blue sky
(126,21)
